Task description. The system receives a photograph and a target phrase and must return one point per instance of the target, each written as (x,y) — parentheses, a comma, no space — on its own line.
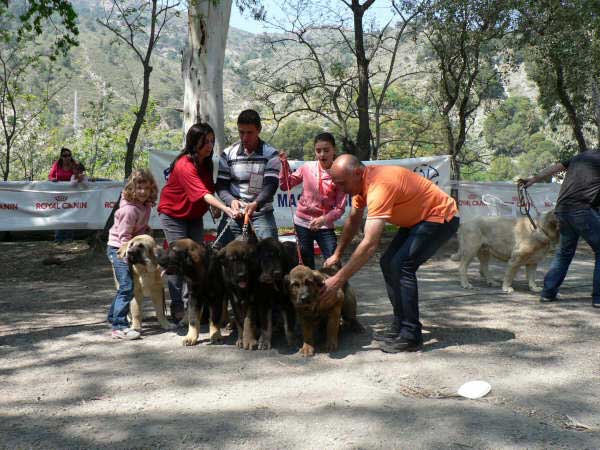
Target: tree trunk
(202,66)
(596,107)
(139,121)
(363,138)
(568,105)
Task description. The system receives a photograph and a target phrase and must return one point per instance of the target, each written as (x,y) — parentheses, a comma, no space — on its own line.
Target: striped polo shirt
(246,172)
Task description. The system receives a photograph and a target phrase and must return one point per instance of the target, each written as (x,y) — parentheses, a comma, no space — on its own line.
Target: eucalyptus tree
(203,59)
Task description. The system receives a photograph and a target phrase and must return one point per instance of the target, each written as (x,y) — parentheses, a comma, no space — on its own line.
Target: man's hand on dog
(329,289)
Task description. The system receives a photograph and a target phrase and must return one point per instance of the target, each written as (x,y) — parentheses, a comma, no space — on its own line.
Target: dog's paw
(249,344)
(508,289)
(307,350)
(331,346)
(264,344)
(189,340)
(239,343)
(467,285)
(535,289)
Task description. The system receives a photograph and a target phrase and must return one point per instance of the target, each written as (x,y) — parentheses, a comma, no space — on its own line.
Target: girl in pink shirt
(321,202)
(131,219)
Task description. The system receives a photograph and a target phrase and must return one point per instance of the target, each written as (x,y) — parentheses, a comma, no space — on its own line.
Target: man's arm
(547,172)
(351,226)
(362,253)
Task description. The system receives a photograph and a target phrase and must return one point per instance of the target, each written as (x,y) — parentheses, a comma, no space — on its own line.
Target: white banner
(436,168)
(501,199)
(44,205)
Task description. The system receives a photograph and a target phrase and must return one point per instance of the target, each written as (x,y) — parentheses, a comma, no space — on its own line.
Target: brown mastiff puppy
(198,265)
(240,276)
(147,281)
(304,289)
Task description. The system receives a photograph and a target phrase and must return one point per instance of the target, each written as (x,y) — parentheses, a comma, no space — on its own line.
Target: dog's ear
(318,277)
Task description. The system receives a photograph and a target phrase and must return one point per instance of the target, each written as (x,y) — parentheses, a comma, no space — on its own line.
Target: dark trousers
(572,225)
(306,237)
(410,248)
(175,229)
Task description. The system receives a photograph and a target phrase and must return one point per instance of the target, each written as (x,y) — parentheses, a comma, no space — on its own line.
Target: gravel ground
(65,384)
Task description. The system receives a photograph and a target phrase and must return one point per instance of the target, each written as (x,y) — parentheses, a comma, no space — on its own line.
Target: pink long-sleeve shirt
(131,219)
(320,196)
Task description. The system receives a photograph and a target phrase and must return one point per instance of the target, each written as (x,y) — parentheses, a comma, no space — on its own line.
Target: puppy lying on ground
(271,292)
(508,239)
(200,269)
(239,272)
(304,286)
(147,281)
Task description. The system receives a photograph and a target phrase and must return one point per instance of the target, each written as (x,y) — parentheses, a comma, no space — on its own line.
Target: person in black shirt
(578,215)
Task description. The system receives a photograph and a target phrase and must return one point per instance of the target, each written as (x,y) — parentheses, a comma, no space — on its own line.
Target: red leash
(286,168)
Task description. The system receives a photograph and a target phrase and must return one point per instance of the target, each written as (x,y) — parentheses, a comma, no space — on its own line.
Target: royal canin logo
(472,196)
(61,198)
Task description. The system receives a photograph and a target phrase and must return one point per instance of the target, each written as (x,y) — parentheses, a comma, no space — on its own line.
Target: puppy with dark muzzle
(147,281)
(271,293)
(304,286)
(239,273)
(199,267)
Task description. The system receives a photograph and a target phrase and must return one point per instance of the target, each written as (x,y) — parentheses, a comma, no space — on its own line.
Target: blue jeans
(572,225)
(175,229)
(410,248)
(264,226)
(119,308)
(306,237)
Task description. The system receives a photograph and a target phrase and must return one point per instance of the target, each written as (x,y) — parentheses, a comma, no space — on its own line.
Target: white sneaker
(126,333)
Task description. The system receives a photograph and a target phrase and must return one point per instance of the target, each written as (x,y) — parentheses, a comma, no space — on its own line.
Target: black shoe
(550,299)
(401,344)
(596,304)
(392,332)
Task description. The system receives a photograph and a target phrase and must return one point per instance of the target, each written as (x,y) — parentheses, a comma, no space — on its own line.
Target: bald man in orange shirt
(426,218)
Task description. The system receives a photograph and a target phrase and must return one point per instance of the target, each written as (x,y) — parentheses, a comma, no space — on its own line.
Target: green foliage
(296,139)
(508,127)
(562,42)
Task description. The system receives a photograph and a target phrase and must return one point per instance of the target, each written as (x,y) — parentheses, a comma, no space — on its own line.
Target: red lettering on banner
(109,205)
(479,203)
(64,205)
(9,206)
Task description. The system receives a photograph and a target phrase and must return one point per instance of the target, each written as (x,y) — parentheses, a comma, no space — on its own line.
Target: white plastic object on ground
(474,389)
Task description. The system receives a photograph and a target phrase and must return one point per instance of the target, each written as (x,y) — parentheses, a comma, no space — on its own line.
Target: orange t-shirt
(402,197)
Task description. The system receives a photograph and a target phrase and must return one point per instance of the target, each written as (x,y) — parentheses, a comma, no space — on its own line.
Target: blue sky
(379,10)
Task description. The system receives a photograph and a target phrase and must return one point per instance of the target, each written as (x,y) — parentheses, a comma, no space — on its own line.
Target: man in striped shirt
(248,179)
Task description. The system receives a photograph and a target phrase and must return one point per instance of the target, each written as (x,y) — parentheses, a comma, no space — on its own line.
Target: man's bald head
(346,172)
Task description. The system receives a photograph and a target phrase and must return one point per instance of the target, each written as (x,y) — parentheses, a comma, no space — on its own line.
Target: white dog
(507,239)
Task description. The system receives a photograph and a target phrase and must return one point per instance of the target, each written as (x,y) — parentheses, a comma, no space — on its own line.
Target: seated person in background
(62,169)
(79,175)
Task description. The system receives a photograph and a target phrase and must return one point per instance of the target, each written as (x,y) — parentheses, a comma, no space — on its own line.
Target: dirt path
(65,384)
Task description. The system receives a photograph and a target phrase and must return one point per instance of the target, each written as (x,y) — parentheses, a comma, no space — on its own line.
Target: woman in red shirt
(186,197)
(62,169)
